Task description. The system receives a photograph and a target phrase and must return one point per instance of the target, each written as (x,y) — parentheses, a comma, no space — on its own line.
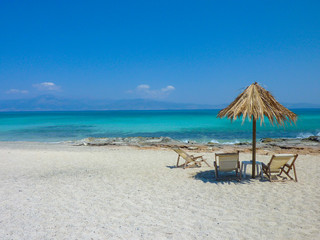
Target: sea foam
(230,143)
(213,141)
(305,135)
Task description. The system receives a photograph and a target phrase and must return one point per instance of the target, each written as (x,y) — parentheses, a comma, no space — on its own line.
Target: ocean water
(196,125)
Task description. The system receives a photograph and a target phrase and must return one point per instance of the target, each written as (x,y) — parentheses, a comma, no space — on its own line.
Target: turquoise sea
(197,125)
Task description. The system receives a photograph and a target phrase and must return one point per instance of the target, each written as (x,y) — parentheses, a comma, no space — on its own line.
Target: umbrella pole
(253,147)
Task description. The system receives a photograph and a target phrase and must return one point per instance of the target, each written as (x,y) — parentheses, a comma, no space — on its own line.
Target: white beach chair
(190,160)
(227,162)
(279,163)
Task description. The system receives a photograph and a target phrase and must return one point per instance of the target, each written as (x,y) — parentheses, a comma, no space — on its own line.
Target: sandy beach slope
(57,191)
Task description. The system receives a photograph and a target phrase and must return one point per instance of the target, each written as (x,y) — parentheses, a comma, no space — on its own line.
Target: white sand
(65,192)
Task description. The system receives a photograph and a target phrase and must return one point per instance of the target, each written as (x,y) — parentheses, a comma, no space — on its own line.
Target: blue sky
(180,51)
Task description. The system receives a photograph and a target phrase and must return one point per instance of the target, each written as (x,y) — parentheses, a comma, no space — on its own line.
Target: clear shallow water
(197,125)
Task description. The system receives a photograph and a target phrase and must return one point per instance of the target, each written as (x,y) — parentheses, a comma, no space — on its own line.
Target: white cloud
(145,91)
(168,88)
(17,91)
(143,87)
(47,86)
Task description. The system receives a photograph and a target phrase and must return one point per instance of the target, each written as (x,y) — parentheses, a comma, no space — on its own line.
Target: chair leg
(295,174)
(287,173)
(216,170)
(241,170)
(181,165)
(206,162)
(238,175)
(191,165)
(265,170)
(270,177)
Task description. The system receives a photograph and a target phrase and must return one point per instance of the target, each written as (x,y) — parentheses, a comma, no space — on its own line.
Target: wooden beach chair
(227,162)
(279,163)
(190,160)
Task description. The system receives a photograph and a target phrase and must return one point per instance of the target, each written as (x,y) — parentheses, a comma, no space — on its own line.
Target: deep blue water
(197,125)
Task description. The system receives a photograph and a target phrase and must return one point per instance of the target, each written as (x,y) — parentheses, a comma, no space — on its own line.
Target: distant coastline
(53,103)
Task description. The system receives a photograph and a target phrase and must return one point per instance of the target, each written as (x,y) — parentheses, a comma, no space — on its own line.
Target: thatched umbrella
(255,103)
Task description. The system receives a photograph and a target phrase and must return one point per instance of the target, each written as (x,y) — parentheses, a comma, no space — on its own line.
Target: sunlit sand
(56,191)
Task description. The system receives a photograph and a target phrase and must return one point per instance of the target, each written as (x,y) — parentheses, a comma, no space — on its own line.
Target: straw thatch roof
(257,102)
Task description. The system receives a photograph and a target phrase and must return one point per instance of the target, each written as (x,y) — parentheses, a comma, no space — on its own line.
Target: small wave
(213,141)
(305,135)
(232,142)
(318,134)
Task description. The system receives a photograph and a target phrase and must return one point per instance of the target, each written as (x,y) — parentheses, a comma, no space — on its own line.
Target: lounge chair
(190,160)
(227,162)
(279,163)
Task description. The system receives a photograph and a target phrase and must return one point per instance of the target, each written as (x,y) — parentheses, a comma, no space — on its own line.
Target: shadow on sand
(224,178)
(174,166)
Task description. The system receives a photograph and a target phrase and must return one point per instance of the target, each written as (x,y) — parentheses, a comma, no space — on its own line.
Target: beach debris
(268,140)
(129,141)
(242,143)
(311,144)
(193,148)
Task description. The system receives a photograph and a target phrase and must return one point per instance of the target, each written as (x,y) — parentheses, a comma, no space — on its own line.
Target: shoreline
(266,146)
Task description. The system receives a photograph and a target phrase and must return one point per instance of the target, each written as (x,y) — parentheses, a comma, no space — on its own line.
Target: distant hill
(301,105)
(53,103)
